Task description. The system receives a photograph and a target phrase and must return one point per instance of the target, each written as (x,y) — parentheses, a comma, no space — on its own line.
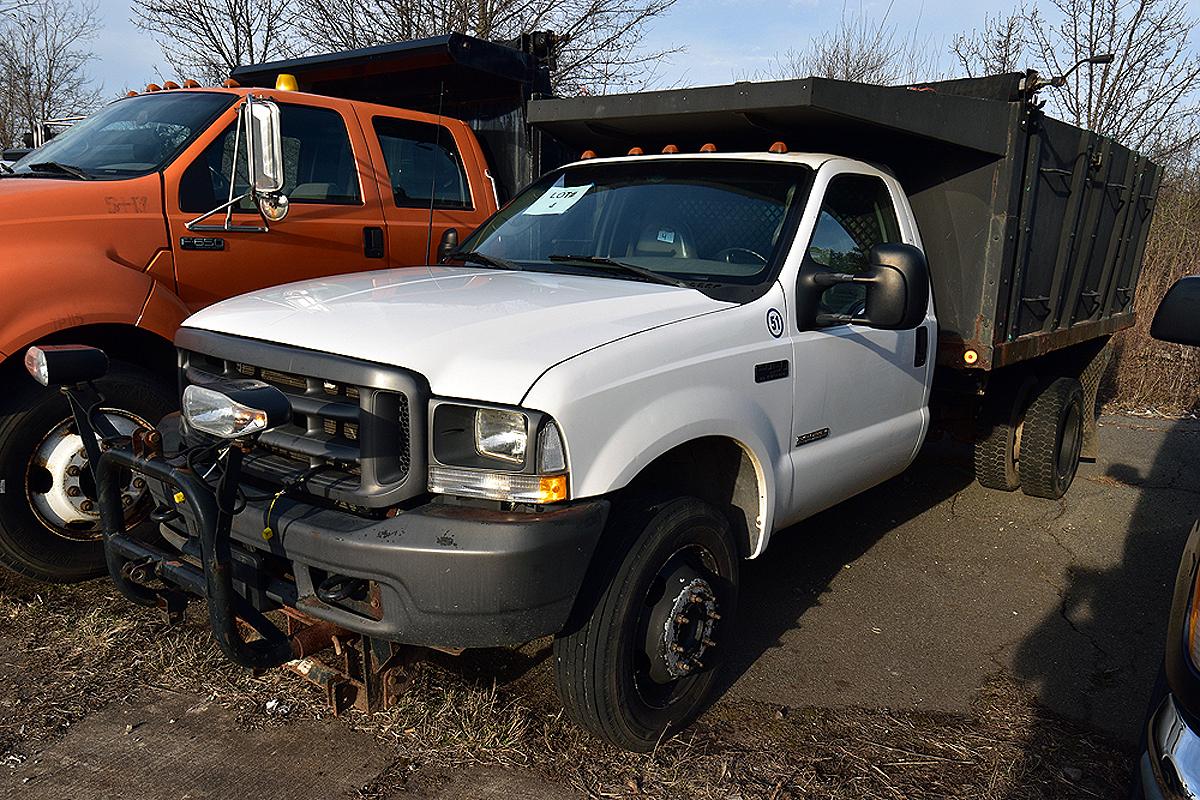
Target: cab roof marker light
(587,154)
(191,84)
(636,151)
(708,148)
(230,83)
(153,87)
(670,149)
(170,85)
(779,148)
(286,82)
(131,93)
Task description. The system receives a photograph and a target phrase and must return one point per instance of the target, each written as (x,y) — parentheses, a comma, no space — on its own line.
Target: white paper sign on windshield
(557,200)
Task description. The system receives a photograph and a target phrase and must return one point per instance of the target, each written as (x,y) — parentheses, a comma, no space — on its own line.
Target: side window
(422,163)
(856,215)
(317,160)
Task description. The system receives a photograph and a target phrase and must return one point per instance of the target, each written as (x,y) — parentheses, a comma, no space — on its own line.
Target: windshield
(130,137)
(717,225)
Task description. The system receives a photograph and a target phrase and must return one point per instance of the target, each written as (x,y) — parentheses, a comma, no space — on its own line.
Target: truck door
(432,182)
(861,394)
(335,223)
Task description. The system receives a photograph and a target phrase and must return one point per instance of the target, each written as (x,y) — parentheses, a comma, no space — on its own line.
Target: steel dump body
(1034,229)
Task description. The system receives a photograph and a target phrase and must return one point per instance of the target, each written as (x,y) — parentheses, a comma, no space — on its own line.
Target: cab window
(856,215)
(423,164)
(318,164)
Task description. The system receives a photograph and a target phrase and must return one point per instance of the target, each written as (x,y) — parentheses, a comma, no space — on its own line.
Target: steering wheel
(724,255)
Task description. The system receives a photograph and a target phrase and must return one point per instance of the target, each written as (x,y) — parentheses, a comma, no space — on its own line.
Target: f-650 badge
(809,438)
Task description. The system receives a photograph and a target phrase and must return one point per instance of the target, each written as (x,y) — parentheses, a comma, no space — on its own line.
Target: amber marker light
(778,148)
(708,148)
(191,84)
(230,83)
(970,357)
(670,149)
(153,87)
(636,151)
(586,154)
(552,488)
(286,82)
(170,85)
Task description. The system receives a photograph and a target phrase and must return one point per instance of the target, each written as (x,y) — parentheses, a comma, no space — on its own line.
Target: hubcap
(60,487)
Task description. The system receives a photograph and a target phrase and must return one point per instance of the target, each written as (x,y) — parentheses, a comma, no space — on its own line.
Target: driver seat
(664,240)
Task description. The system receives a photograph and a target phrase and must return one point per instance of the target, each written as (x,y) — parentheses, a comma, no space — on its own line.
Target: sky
(724,40)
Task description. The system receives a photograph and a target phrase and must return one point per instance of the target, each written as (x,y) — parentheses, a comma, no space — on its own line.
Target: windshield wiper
(65,169)
(474,256)
(630,269)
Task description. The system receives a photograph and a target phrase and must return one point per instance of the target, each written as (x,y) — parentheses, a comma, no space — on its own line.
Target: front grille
(351,420)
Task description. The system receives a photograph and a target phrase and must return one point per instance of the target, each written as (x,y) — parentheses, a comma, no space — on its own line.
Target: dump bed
(1034,229)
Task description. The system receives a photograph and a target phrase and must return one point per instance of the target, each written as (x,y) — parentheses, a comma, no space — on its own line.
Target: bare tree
(862,49)
(206,39)
(1147,97)
(1000,46)
(43,55)
(601,40)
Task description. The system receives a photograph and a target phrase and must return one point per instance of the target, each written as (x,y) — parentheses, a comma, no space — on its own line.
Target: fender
(622,405)
(70,296)
(163,312)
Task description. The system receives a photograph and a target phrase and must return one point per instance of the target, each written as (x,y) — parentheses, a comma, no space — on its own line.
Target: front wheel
(644,661)
(49,518)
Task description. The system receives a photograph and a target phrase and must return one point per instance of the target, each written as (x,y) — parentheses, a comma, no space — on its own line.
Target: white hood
(479,334)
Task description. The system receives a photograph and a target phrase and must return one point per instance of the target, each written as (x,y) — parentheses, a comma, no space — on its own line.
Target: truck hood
(474,334)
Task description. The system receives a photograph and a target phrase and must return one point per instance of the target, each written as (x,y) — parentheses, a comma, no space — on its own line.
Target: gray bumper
(1170,767)
(443,575)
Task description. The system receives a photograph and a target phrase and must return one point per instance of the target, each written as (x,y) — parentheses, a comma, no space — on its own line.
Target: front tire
(644,661)
(48,531)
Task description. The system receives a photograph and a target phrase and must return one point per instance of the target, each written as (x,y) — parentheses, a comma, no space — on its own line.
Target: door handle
(373,242)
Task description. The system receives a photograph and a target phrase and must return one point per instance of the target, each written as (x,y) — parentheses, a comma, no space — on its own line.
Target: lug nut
(139,483)
(697,663)
(72,491)
(73,471)
(87,505)
(708,642)
(126,500)
(82,453)
(681,619)
(713,615)
(684,666)
(675,648)
(697,598)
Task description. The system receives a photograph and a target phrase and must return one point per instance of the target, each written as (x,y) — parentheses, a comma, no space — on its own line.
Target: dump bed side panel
(1084,214)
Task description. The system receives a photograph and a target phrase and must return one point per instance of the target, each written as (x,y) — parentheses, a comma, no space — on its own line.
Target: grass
(69,651)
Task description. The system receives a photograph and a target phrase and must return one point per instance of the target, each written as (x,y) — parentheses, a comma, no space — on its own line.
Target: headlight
(496,453)
(501,434)
(233,409)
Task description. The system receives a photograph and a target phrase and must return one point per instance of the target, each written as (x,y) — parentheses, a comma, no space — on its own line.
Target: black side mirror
(65,364)
(1178,317)
(448,244)
(896,283)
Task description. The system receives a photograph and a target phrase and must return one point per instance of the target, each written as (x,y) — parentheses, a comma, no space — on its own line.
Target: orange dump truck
(118,229)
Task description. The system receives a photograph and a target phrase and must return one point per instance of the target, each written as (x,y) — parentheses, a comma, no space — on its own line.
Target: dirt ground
(927,639)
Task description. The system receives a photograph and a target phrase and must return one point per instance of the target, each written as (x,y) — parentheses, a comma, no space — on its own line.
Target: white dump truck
(736,309)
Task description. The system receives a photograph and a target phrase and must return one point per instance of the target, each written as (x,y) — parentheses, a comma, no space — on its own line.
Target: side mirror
(264,146)
(65,364)
(264,154)
(896,283)
(448,244)
(1178,317)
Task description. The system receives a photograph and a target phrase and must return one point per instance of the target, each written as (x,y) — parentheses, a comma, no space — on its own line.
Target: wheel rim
(1070,443)
(679,627)
(60,487)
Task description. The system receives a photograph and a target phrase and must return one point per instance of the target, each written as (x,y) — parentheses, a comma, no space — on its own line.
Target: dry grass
(1147,374)
(71,650)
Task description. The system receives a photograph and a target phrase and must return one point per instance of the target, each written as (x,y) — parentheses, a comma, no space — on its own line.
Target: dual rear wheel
(1031,435)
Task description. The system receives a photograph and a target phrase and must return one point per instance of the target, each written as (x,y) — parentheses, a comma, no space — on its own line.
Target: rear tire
(1051,439)
(670,580)
(29,545)
(995,447)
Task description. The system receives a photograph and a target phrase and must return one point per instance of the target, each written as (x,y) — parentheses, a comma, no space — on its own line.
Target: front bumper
(1170,767)
(441,575)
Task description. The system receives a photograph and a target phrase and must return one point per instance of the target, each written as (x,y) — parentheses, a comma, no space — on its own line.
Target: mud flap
(1090,377)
